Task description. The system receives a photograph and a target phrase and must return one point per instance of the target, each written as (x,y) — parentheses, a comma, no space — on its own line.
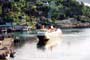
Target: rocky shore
(72,23)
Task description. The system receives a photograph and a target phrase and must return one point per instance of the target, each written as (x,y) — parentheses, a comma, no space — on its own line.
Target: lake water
(75,46)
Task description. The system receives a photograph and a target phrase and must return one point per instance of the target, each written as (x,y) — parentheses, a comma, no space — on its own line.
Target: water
(75,46)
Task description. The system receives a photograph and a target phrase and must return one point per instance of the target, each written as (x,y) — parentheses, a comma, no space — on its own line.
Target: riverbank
(72,23)
(66,23)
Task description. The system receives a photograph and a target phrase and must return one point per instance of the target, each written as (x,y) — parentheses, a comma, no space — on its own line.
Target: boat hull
(49,39)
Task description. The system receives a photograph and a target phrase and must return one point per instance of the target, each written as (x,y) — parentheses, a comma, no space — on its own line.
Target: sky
(86,2)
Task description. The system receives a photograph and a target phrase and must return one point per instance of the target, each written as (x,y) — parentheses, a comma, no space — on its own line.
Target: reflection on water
(75,46)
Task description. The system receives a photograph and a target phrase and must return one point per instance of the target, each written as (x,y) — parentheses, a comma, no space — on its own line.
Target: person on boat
(51,28)
(43,28)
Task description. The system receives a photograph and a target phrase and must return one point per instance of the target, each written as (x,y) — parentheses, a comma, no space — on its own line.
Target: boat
(48,40)
(6,48)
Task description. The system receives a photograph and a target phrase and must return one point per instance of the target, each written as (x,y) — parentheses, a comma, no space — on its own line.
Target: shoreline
(72,23)
(73,26)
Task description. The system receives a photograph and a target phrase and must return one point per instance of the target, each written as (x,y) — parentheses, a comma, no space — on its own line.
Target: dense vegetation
(30,11)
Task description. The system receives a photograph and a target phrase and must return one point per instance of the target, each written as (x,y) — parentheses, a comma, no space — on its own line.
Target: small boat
(49,39)
(7,48)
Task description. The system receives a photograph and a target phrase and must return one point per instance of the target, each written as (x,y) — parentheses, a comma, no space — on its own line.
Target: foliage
(20,11)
